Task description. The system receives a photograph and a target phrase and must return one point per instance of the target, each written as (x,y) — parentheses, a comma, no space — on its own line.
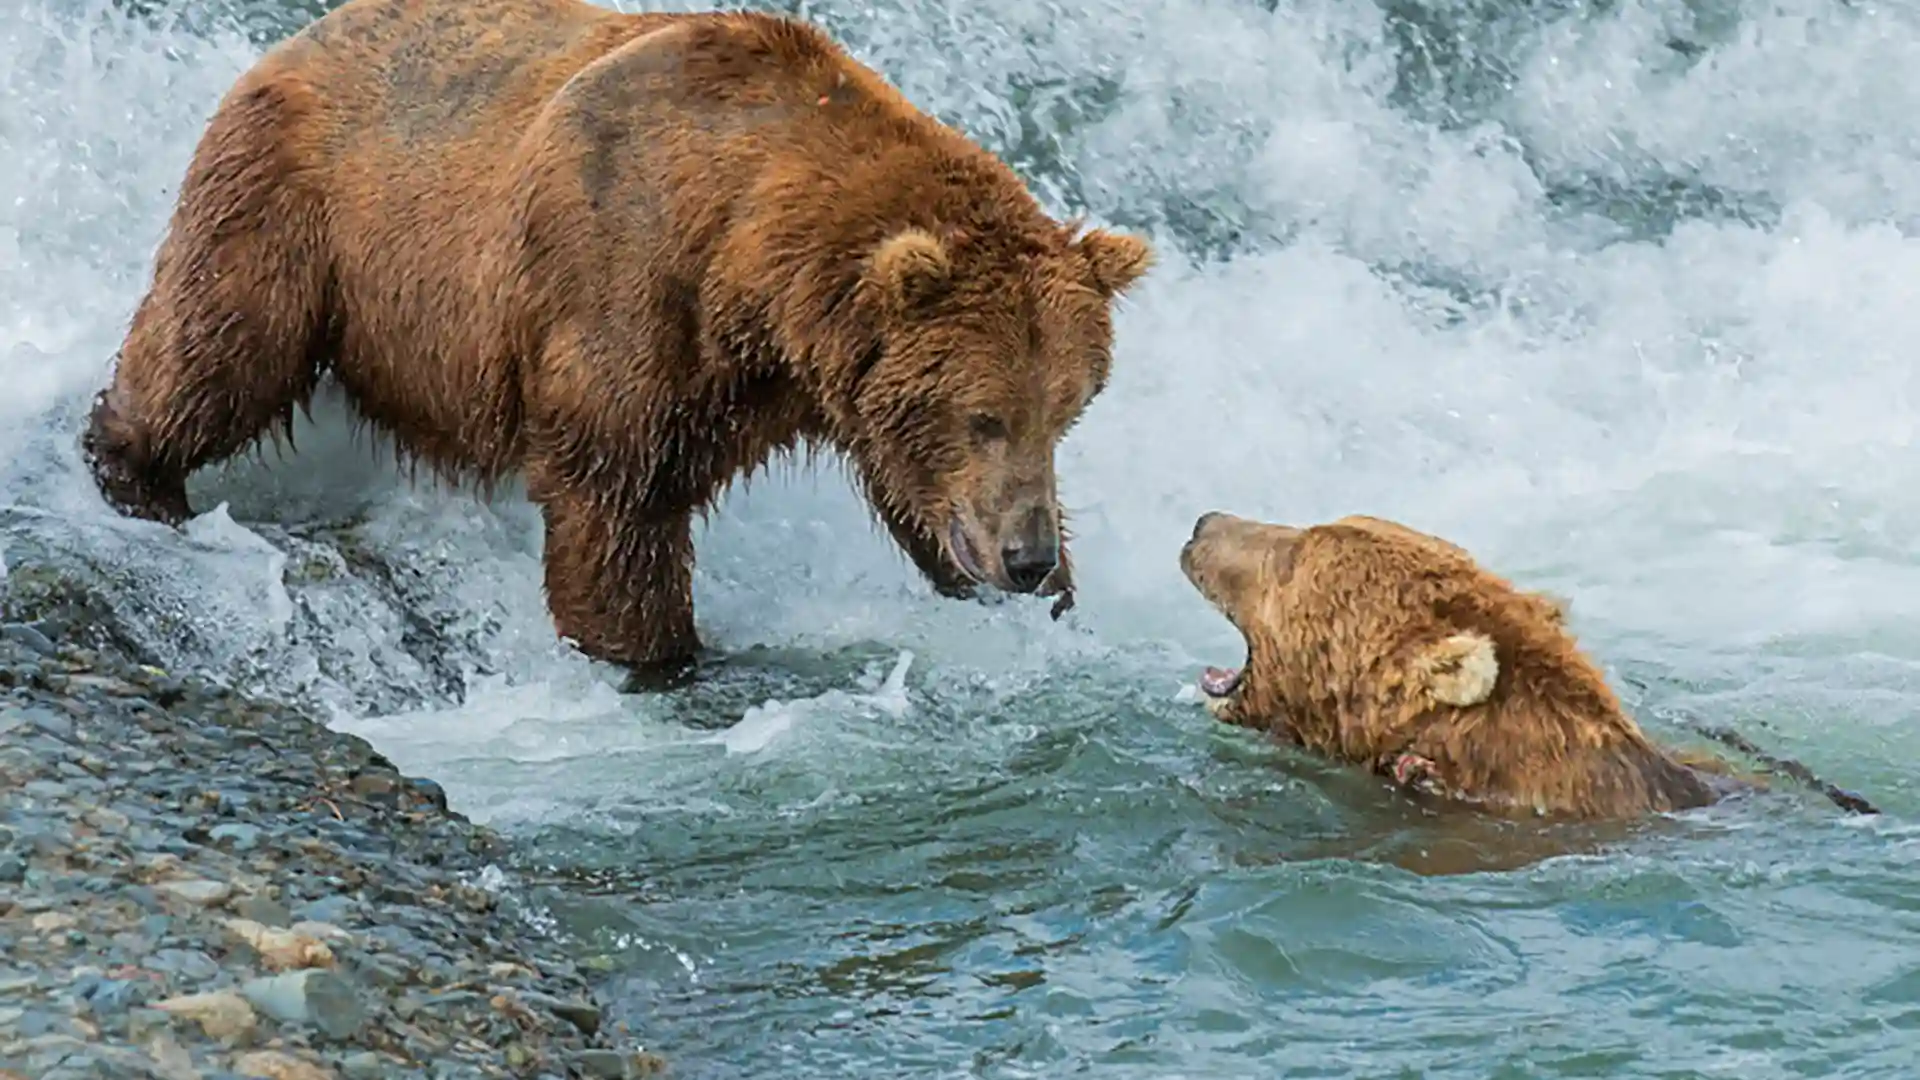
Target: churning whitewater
(1619,296)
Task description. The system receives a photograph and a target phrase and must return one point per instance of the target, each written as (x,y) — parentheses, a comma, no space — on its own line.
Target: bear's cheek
(910,445)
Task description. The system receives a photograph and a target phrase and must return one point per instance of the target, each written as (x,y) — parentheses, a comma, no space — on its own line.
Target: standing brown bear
(631,256)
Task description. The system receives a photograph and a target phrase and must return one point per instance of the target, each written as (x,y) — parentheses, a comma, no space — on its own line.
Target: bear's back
(414,82)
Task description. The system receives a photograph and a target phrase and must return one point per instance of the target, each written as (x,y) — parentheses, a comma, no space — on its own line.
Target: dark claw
(1062,604)
(665,676)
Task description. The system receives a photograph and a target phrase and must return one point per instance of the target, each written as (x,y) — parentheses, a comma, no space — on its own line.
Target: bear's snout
(1032,551)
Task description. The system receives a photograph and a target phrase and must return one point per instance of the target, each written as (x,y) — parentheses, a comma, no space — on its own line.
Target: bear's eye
(986,427)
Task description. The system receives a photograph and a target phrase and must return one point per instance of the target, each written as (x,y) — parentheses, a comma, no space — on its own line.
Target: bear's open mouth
(1219,682)
(962,550)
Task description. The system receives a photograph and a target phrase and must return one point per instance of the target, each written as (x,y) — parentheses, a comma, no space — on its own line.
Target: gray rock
(235,836)
(220,1013)
(231,803)
(365,1065)
(143,1022)
(187,963)
(398,938)
(35,1023)
(54,724)
(312,996)
(108,996)
(581,1014)
(261,909)
(379,788)
(45,790)
(605,1064)
(432,792)
(106,818)
(33,637)
(338,910)
(47,1053)
(197,891)
(386,971)
(139,813)
(77,1066)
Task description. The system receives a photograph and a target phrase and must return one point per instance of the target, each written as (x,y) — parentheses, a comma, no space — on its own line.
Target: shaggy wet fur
(632,256)
(1384,647)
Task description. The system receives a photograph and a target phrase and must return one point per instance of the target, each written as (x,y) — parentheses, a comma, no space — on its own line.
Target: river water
(1622,296)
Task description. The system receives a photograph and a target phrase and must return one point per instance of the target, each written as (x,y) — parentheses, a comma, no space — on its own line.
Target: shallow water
(1619,296)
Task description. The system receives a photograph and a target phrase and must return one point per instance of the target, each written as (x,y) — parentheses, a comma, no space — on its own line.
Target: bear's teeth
(1219,682)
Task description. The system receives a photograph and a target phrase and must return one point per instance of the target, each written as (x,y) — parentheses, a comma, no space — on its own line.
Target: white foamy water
(903,836)
(1704,438)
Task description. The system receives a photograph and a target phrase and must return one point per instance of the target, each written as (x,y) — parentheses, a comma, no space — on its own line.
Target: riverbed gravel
(195,883)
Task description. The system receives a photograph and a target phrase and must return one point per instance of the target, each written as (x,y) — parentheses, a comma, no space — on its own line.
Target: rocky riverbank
(195,884)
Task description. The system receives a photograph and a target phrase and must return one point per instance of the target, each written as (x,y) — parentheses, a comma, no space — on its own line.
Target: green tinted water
(1619,295)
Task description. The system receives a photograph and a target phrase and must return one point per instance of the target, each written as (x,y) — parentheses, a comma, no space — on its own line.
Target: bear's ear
(911,267)
(1117,260)
(1458,670)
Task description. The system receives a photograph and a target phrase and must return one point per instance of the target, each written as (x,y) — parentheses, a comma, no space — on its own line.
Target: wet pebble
(263,910)
(58,725)
(221,1014)
(335,909)
(581,1014)
(197,891)
(191,964)
(193,884)
(234,836)
(29,635)
(113,995)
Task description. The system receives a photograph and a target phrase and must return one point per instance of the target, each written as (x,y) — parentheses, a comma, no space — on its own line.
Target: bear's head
(1357,627)
(988,346)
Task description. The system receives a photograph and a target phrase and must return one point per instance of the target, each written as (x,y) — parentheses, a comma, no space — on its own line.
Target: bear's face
(989,352)
(1357,618)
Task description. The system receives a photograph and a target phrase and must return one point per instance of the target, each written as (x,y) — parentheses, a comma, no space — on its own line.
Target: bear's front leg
(620,583)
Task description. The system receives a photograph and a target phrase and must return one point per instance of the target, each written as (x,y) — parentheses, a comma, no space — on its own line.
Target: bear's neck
(1585,759)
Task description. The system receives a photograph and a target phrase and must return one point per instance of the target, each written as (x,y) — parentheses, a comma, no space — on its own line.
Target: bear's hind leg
(235,329)
(620,581)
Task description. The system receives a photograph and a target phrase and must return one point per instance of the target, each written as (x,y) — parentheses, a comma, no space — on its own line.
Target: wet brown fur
(1368,641)
(632,257)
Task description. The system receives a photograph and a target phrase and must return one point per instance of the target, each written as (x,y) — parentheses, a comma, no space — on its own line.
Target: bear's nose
(1032,553)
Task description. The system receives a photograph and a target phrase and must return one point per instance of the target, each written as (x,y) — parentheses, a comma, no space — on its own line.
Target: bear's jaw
(960,550)
(1220,689)
(1219,682)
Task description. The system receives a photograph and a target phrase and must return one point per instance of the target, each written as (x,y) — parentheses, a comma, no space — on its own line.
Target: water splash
(1617,297)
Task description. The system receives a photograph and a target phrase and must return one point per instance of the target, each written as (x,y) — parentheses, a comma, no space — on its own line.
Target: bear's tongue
(1219,682)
